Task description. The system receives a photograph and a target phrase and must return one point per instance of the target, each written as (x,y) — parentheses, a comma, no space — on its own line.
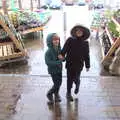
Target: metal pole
(64,24)
(4,5)
(20,4)
(31,3)
(39,4)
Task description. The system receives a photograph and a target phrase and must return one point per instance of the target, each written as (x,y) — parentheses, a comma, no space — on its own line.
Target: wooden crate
(7,51)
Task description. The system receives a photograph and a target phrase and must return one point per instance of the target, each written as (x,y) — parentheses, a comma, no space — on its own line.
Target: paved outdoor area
(24,98)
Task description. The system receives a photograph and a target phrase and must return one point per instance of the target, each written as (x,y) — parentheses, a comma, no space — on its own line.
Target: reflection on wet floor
(71,110)
(33,41)
(56,111)
(24,97)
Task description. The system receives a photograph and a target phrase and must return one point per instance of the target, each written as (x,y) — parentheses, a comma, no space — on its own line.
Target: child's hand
(87,69)
(60,57)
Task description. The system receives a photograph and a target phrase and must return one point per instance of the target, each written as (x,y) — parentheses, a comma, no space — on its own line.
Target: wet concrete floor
(24,97)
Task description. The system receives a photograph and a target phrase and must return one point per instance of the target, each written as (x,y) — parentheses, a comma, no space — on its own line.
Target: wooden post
(20,4)
(64,24)
(4,4)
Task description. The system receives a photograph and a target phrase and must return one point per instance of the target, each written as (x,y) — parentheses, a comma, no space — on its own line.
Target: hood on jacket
(49,40)
(86,31)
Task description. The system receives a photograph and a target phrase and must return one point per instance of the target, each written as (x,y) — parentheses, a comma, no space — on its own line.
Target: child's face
(55,40)
(79,33)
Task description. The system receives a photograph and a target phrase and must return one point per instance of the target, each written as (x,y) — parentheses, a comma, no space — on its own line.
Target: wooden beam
(5,50)
(1,52)
(14,55)
(11,35)
(116,22)
(9,49)
(112,49)
(32,30)
(6,43)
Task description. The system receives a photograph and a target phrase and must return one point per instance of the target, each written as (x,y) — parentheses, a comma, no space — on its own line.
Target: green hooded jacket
(51,57)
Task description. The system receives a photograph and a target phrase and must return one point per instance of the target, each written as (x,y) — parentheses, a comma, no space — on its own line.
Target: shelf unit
(13,50)
(114,45)
(32,30)
(41,28)
(35,29)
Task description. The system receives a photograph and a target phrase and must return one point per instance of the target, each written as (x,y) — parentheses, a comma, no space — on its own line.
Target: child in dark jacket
(54,66)
(76,53)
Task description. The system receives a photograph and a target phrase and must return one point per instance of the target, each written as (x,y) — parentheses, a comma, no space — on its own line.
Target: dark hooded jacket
(51,57)
(76,50)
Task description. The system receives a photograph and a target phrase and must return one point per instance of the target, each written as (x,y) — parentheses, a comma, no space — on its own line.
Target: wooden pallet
(11,35)
(114,45)
(7,51)
(112,49)
(10,51)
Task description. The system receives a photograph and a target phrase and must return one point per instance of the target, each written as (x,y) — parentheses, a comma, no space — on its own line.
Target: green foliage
(109,14)
(117,13)
(112,28)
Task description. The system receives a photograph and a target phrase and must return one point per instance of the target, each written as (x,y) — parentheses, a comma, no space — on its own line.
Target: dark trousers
(72,77)
(57,81)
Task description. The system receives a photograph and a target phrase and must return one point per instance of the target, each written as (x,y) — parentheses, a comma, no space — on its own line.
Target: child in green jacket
(54,66)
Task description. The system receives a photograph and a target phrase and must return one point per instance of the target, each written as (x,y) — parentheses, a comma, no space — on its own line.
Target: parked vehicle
(42,4)
(55,4)
(69,2)
(98,4)
(81,2)
(48,2)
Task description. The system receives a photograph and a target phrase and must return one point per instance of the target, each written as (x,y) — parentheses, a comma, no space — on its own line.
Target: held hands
(60,57)
(87,69)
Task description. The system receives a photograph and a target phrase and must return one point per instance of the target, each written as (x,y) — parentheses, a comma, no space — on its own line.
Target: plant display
(117,16)
(112,28)
(23,20)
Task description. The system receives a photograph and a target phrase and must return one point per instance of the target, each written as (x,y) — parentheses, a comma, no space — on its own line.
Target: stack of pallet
(111,56)
(114,44)
(13,49)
